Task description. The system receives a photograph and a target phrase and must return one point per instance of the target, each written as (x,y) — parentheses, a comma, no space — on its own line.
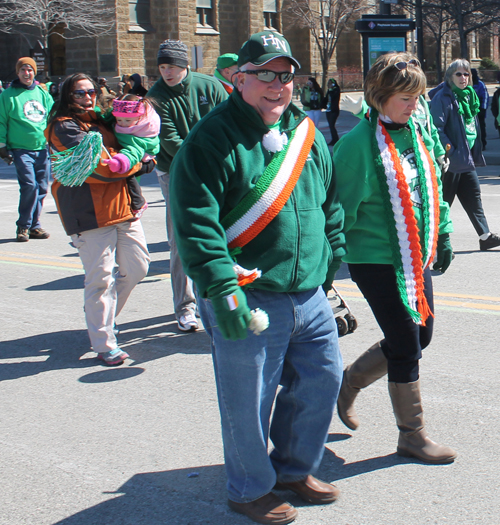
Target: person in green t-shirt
(24,108)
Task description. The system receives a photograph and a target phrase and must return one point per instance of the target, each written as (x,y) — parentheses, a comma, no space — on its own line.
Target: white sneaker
(187,322)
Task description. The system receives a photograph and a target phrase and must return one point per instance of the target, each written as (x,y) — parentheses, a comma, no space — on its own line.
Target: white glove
(444,163)
(347,103)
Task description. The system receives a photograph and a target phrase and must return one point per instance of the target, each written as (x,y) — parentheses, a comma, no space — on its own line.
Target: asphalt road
(82,444)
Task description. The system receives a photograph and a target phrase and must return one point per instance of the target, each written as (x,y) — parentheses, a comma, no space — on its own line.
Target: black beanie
(173,52)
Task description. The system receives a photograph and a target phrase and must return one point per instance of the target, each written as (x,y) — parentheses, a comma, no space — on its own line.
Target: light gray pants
(182,286)
(115,259)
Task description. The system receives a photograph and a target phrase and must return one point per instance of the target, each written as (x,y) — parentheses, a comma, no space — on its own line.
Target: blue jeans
(33,172)
(300,351)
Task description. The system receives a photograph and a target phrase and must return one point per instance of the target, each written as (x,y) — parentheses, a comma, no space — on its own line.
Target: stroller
(346,322)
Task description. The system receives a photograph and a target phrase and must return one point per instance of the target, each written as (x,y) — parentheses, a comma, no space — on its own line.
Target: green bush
(487,63)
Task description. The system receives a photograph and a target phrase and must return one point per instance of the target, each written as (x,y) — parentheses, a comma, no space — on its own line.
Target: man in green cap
(261,193)
(227,66)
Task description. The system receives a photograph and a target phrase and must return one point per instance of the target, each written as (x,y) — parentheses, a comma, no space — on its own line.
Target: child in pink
(137,128)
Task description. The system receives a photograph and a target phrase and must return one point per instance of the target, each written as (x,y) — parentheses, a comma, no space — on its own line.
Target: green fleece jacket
(366,228)
(23,116)
(218,164)
(180,107)
(136,147)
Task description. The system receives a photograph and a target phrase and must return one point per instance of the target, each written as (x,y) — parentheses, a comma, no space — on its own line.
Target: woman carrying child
(98,216)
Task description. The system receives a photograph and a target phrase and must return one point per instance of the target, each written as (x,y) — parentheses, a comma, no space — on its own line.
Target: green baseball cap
(263,47)
(227,60)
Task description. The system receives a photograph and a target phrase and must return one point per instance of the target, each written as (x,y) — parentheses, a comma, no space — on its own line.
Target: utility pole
(420,32)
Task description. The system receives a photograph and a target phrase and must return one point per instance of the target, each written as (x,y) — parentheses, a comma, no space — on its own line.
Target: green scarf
(468,102)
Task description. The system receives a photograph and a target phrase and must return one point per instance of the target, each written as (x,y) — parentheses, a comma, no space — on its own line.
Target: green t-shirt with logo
(23,117)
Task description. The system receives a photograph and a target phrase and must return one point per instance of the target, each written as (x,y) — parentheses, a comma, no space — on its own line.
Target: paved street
(82,444)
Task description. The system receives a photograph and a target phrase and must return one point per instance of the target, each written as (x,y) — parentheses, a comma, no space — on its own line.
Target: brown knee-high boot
(413,439)
(367,368)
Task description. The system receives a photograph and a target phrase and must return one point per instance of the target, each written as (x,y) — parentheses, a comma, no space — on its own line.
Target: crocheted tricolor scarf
(411,252)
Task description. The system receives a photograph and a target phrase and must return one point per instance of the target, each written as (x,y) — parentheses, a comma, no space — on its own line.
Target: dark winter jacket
(451,128)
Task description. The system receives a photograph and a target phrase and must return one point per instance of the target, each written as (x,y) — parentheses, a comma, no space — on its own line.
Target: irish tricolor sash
(261,205)
(410,256)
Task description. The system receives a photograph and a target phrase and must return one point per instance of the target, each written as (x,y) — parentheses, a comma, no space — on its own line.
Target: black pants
(331,117)
(134,188)
(403,340)
(481,116)
(466,187)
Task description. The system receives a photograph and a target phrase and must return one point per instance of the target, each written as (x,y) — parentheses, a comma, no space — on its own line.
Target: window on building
(205,13)
(271,14)
(139,15)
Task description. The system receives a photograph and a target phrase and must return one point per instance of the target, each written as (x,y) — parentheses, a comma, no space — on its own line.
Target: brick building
(213,27)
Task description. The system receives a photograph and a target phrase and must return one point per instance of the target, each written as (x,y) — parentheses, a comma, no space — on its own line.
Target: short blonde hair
(385,79)
(459,63)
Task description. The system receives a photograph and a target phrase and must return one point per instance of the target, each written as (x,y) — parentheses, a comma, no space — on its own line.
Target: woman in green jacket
(395,219)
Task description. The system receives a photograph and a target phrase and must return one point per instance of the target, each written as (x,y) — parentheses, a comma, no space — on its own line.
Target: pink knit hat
(128,108)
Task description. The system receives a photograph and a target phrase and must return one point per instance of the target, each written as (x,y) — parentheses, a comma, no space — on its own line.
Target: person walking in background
(311,98)
(24,108)
(484,99)
(331,104)
(454,109)
(227,66)
(98,217)
(183,98)
(244,145)
(495,106)
(386,170)
(137,87)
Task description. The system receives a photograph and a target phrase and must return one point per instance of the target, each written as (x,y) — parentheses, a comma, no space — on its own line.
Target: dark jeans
(33,172)
(466,187)
(403,340)
(331,117)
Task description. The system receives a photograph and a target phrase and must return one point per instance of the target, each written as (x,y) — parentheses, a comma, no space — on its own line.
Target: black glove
(147,167)
(6,156)
(444,253)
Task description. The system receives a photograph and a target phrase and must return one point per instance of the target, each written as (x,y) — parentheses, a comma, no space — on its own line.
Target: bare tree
(68,18)
(468,16)
(325,20)
(439,24)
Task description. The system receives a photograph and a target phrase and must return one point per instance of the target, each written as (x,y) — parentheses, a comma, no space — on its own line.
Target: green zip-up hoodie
(23,116)
(180,108)
(366,229)
(218,164)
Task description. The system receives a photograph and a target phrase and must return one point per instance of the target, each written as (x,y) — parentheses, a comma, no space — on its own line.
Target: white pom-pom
(259,321)
(274,141)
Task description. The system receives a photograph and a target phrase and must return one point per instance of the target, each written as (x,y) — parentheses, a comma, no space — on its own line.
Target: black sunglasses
(404,65)
(80,93)
(264,75)
(460,74)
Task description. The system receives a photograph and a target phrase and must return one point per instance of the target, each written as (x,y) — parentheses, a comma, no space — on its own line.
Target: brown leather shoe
(267,509)
(312,490)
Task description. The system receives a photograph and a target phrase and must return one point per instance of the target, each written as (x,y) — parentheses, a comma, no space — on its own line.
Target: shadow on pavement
(74,282)
(145,340)
(198,495)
